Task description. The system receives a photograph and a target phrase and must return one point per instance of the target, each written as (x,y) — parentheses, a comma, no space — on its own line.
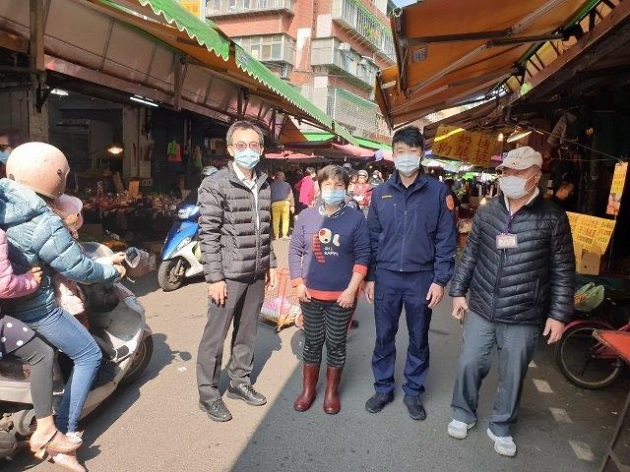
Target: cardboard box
(589,263)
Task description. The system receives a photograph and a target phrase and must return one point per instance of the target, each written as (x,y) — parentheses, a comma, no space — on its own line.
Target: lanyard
(506,229)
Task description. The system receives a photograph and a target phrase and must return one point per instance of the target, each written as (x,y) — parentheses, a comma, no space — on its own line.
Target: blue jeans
(63,331)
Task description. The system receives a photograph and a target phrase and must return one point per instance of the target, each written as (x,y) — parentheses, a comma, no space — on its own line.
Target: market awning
(330,148)
(452,51)
(157,50)
(598,61)
(206,43)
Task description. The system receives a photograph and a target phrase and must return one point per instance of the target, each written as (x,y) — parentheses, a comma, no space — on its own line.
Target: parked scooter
(181,253)
(116,319)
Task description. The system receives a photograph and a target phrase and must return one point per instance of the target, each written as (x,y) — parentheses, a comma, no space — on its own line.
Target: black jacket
(525,285)
(232,247)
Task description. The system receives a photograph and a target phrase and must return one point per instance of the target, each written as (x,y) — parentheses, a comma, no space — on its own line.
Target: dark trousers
(40,356)
(241,309)
(392,291)
(515,347)
(325,321)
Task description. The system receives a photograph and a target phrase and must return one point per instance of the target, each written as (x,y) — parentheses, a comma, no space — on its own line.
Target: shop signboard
(591,236)
(616,188)
(196,7)
(457,143)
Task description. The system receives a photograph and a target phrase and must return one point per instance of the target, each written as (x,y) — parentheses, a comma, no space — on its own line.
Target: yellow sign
(456,143)
(591,233)
(616,188)
(193,6)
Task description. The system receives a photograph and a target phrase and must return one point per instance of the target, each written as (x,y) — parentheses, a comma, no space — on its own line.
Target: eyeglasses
(253,145)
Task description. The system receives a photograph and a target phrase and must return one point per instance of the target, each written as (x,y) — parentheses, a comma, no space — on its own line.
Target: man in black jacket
(518,268)
(238,262)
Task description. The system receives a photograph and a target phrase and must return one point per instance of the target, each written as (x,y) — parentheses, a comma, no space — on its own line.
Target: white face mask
(407,164)
(514,187)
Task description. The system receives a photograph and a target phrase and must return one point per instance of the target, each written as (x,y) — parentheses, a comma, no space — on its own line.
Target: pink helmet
(39,166)
(69,209)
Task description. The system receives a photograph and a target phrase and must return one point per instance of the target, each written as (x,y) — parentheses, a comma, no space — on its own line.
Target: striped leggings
(325,321)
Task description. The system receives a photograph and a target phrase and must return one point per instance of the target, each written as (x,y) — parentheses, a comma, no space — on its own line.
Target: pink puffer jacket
(12,285)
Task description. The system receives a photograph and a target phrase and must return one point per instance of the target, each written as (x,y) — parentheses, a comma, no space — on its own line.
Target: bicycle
(582,359)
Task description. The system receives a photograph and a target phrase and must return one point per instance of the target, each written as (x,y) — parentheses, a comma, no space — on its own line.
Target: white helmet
(40,166)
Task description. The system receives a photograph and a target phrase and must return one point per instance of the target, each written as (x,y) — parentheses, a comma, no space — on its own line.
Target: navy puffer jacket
(525,285)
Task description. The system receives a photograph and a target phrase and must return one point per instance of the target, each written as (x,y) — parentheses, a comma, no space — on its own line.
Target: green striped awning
(261,73)
(206,34)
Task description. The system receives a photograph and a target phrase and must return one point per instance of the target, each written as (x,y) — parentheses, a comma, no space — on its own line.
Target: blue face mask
(4,156)
(247,158)
(407,164)
(333,197)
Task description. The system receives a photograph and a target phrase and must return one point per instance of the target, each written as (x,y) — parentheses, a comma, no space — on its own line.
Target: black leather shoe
(247,394)
(378,401)
(415,408)
(216,411)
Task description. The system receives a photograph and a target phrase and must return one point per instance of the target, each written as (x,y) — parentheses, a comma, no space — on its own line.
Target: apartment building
(330,49)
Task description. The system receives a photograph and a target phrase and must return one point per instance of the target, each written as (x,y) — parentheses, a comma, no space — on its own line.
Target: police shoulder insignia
(450,203)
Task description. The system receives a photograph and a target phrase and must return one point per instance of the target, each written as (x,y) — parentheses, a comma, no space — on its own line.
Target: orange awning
(452,51)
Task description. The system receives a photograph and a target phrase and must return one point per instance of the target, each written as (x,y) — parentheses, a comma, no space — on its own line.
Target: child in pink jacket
(20,341)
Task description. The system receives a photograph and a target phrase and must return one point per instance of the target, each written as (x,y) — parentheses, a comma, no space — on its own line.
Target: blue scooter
(181,254)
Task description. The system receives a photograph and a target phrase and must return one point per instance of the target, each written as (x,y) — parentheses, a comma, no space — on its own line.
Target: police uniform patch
(450,203)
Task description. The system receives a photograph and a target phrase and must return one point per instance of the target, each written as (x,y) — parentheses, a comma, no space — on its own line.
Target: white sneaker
(459,429)
(504,446)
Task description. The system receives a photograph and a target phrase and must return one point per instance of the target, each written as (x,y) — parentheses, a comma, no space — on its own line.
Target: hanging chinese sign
(456,143)
(591,233)
(616,188)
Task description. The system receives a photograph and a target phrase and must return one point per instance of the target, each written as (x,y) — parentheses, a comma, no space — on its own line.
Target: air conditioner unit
(344,47)
(285,72)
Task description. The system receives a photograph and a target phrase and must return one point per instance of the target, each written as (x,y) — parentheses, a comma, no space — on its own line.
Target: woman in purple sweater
(328,258)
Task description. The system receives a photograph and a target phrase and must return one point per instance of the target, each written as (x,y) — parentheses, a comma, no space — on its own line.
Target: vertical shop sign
(616,188)
(196,7)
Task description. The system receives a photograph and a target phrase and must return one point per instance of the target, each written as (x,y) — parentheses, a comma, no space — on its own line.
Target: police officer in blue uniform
(411,221)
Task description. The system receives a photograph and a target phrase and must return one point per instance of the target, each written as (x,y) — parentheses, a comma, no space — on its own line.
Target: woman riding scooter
(37,174)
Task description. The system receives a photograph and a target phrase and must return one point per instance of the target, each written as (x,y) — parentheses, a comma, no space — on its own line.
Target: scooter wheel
(139,362)
(171,274)
(24,422)
(8,444)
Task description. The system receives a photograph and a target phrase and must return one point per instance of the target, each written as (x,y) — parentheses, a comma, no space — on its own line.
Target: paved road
(155,426)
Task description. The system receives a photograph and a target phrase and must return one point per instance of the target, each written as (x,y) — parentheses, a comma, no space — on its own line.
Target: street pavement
(155,425)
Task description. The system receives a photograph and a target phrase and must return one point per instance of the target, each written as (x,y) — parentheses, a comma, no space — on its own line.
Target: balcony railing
(331,52)
(353,15)
(216,8)
(269,48)
(351,110)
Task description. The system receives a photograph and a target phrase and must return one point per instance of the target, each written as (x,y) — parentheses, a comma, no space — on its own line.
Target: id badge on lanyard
(507,240)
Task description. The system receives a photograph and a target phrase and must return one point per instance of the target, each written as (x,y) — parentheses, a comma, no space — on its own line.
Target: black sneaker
(216,411)
(247,394)
(415,408)
(378,401)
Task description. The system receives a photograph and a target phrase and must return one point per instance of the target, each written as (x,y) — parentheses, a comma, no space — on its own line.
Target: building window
(276,47)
